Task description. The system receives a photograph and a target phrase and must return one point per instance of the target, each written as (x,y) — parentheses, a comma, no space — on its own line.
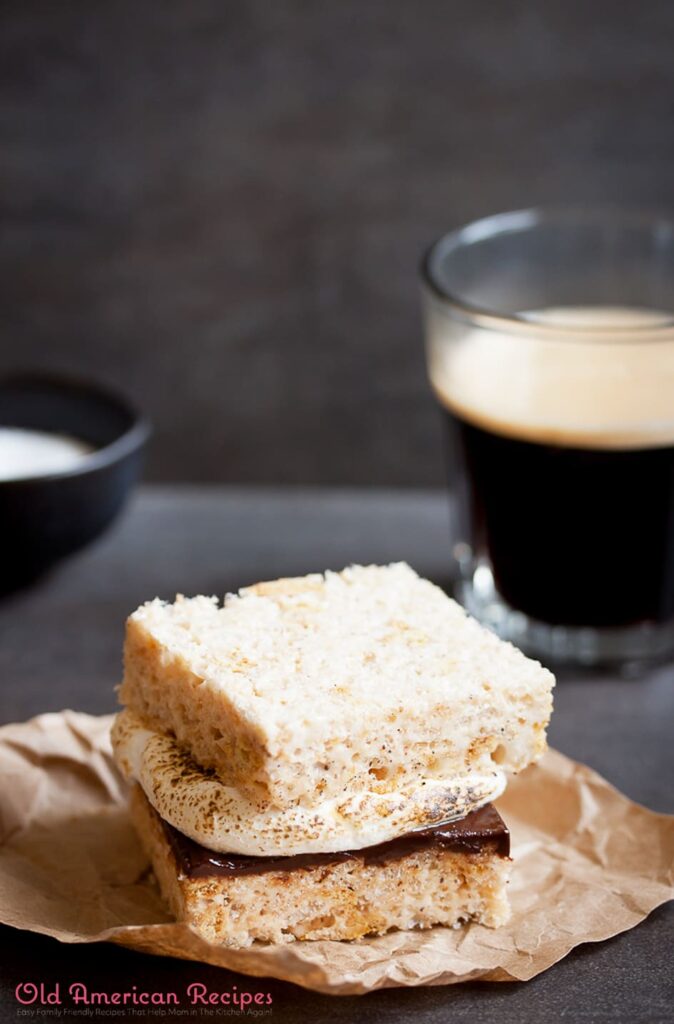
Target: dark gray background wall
(219,206)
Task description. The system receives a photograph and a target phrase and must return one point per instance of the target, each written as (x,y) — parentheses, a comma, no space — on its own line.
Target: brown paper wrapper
(588,863)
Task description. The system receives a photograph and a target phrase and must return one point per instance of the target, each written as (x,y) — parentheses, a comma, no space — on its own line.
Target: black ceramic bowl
(44,518)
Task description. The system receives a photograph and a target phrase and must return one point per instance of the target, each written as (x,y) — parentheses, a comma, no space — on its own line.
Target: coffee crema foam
(610,386)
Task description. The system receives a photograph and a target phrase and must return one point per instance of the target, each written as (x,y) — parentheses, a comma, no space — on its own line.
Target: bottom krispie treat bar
(445,875)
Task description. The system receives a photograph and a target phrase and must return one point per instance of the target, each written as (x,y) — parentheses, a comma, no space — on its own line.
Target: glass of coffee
(550,343)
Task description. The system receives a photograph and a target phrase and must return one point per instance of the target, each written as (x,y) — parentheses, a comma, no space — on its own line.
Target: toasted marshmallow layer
(221,818)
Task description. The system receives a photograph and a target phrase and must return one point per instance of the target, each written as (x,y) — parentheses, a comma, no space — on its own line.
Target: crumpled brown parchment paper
(589,863)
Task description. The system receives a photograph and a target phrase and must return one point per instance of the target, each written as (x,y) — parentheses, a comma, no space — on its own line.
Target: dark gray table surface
(61,645)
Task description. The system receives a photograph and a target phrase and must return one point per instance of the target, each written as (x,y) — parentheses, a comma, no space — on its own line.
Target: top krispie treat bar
(367,680)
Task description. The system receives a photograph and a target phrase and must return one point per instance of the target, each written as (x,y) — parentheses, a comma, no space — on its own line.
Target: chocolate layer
(482,829)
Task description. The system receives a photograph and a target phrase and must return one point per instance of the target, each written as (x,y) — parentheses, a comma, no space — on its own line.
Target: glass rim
(525,219)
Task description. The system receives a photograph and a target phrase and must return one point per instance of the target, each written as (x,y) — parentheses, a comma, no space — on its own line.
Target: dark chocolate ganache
(480,830)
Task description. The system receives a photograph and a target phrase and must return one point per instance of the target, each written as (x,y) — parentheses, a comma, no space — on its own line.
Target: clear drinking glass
(550,344)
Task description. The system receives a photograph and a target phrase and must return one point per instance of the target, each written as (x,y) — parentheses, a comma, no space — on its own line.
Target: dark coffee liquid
(575,536)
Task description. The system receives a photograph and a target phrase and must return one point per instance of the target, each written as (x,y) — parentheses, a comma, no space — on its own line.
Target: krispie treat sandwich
(317,757)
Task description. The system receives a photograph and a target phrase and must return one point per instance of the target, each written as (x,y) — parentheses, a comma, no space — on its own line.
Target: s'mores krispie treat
(307,744)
